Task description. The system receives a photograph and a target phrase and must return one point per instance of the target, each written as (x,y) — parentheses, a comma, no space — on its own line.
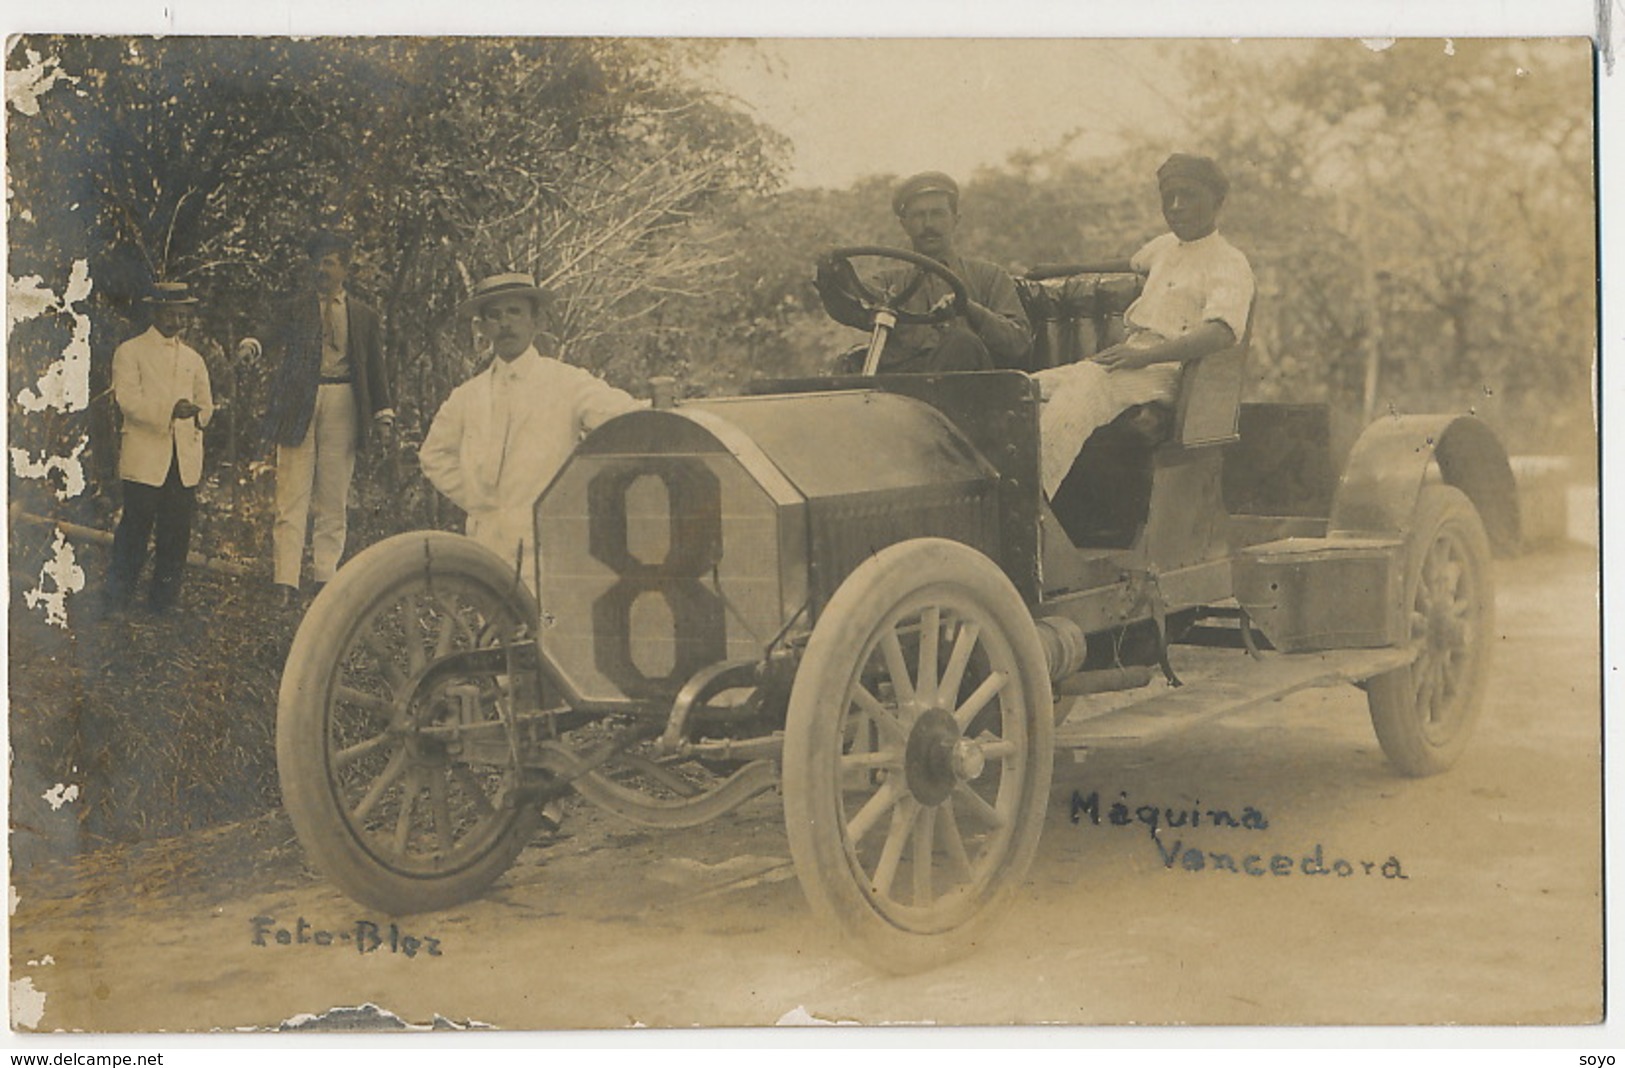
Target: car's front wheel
(917,753)
(390,796)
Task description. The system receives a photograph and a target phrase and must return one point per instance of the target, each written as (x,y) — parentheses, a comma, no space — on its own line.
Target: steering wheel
(853,302)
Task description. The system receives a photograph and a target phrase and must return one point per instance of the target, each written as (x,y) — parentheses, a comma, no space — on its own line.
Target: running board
(1217,683)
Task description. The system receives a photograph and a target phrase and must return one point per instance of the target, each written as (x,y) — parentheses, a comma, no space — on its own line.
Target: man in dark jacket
(328,389)
(993,331)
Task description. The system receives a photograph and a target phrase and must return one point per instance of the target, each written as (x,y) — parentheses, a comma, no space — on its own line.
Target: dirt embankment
(130,728)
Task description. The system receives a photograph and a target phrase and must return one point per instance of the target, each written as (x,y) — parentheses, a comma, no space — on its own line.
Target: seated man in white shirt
(501,436)
(1195,301)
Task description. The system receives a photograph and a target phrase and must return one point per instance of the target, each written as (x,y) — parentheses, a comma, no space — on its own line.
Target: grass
(166,725)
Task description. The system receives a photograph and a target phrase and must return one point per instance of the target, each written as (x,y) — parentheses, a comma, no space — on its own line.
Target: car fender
(1392,460)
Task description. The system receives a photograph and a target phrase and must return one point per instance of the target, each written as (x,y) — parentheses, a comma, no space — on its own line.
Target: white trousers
(509,534)
(314,476)
(1083,397)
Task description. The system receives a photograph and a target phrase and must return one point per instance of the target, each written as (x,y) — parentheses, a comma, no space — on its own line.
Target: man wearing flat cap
(329,389)
(161,388)
(501,436)
(1196,299)
(993,332)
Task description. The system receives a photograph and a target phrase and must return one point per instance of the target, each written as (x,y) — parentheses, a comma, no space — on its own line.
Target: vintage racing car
(852,590)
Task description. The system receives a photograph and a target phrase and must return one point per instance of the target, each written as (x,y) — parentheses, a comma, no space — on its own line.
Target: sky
(854,106)
(858,107)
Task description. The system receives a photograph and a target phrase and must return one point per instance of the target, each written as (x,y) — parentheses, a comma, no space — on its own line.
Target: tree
(1422,222)
(591,163)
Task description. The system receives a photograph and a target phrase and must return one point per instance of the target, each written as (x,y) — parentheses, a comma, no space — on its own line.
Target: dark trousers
(168,508)
(957,348)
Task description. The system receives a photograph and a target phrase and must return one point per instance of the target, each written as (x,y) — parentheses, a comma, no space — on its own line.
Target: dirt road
(1472,897)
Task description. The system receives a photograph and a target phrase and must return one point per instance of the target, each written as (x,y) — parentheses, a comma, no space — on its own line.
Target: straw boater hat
(170,293)
(503,285)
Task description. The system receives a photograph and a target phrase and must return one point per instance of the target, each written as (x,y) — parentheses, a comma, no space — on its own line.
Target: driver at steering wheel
(993,332)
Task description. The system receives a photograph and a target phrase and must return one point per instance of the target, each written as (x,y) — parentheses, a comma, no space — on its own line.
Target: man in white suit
(162,390)
(501,436)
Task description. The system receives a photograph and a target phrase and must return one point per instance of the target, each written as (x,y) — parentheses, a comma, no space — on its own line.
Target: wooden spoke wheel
(397,796)
(1424,713)
(917,753)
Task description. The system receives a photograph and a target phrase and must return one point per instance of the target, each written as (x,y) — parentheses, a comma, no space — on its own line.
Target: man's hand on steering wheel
(850,300)
(946,305)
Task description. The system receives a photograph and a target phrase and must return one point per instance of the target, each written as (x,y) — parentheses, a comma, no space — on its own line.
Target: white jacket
(150,373)
(495,472)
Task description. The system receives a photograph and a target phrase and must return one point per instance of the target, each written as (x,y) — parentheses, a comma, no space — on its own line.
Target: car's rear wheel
(1425,713)
(917,753)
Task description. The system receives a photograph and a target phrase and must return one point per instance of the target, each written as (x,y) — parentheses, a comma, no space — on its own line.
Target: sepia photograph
(555,533)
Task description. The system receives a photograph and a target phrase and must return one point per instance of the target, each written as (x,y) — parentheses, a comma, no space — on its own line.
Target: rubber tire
(333,846)
(1442,512)
(811,782)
